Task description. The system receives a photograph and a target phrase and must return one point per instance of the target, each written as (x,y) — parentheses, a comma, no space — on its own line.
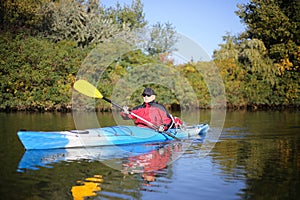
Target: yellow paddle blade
(87,89)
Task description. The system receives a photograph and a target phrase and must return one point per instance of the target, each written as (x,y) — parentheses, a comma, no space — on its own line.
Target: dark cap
(148,91)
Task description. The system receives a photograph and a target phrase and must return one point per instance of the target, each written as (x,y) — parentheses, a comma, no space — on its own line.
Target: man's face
(148,98)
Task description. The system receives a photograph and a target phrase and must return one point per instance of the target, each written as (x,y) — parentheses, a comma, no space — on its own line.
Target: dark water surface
(256,157)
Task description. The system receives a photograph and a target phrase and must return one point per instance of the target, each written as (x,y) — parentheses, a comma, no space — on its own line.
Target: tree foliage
(259,67)
(267,52)
(37,74)
(276,23)
(228,50)
(132,15)
(162,39)
(83,23)
(21,14)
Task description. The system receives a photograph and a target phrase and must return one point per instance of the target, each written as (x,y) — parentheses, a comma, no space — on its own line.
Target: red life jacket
(153,112)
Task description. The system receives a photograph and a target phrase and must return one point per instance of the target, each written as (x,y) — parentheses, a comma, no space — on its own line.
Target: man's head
(148,95)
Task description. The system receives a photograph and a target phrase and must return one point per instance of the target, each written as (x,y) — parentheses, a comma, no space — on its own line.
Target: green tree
(253,55)
(87,22)
(132,15)
(247,70)
(267,52)
(162,39)
(83,23)
(37,74)
(233,75)
(228,50)
(21,14)
(276,23)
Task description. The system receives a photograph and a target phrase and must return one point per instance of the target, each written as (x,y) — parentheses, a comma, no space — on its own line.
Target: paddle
(89,90)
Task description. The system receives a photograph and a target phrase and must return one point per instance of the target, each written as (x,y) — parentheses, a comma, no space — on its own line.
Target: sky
(203,21)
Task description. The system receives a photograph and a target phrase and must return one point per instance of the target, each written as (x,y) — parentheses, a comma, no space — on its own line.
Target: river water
(257,156)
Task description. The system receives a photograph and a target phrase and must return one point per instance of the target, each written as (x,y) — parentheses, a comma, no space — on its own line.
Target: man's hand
(126,110)
(161,128)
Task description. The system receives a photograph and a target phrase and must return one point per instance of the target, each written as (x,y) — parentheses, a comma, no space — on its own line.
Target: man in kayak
(151,111)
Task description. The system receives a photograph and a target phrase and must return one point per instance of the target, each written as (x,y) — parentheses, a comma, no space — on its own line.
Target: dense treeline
(44,43)
(267,53)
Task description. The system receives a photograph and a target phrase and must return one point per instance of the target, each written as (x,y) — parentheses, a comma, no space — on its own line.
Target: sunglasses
(146,95)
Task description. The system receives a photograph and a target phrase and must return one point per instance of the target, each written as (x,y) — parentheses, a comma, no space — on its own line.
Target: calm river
(256,157)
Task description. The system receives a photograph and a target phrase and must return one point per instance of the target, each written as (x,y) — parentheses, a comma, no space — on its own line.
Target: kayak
(106,136)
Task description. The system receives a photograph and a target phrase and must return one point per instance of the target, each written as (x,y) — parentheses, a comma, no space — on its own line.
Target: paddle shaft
(139,117)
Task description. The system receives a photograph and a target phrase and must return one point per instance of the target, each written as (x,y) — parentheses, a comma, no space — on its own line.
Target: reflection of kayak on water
(34,159)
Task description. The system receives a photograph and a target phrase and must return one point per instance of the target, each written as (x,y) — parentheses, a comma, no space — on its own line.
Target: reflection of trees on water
(261,156)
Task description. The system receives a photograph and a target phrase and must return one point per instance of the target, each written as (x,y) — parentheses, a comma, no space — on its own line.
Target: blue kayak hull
(113,135)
